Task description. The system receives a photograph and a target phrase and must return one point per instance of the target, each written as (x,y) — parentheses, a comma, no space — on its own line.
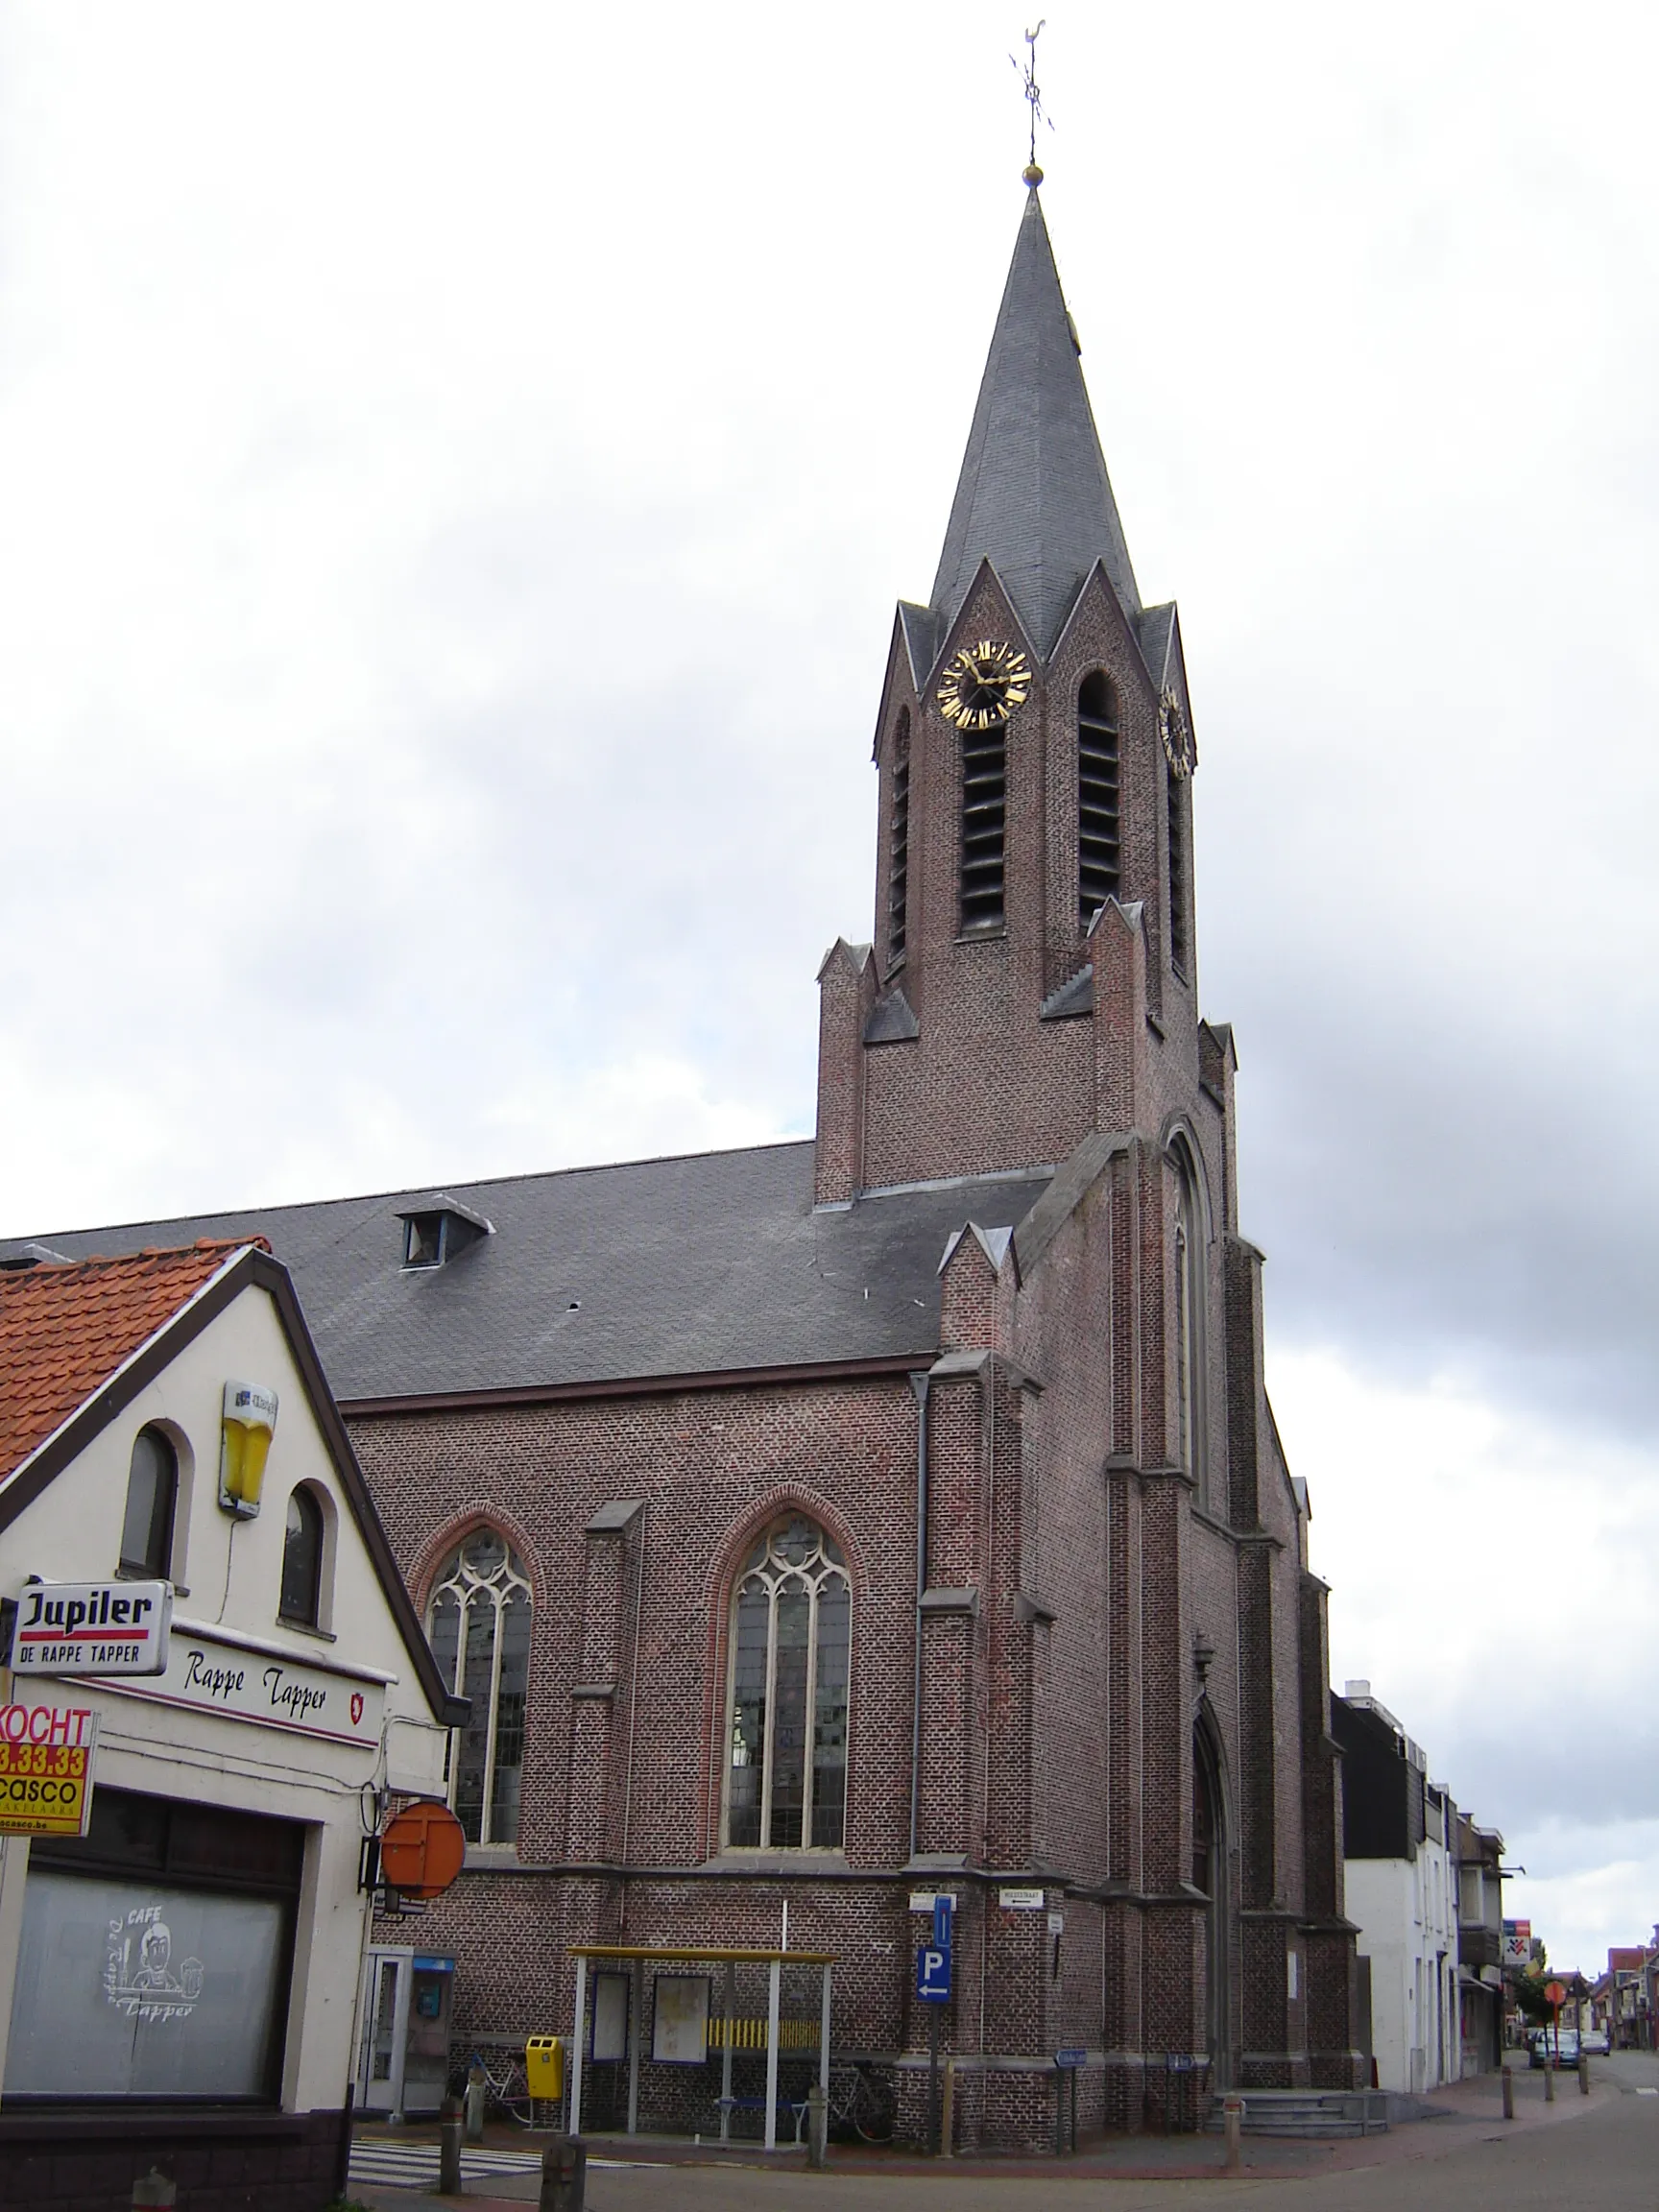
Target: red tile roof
(66,1329)
(1626,1959)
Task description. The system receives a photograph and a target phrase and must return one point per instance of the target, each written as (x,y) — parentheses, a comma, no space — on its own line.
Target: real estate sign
(46,1769)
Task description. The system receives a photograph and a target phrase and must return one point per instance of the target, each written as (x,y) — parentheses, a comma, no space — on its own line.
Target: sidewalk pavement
(1126,2172)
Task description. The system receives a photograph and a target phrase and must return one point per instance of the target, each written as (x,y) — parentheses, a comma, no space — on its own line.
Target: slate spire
(1033,496)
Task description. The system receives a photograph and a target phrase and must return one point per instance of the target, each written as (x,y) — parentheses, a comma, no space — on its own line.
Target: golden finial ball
(1032,174)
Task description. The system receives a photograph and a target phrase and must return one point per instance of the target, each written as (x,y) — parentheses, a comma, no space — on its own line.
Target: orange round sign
(422,1850)
(1556,1992)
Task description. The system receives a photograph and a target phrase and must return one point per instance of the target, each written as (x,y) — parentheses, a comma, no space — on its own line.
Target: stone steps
(1306,2112)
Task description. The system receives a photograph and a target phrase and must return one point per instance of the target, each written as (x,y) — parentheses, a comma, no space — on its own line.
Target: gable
(60,1510)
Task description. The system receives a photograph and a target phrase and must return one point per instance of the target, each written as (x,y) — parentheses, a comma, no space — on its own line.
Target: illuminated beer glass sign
(248,1422)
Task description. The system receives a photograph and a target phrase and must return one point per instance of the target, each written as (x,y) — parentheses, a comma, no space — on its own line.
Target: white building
(1401,1889)
(185,1975)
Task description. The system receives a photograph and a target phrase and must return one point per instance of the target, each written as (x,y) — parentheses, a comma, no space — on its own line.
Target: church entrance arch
(1210,1861)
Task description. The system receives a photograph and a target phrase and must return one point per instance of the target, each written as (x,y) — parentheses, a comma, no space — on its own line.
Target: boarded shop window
(479,1625)
(791,1645)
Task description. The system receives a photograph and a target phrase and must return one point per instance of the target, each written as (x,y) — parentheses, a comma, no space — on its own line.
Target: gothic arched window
(1097,796)
(478,1620)
(898,841)
(792,1642)
(1189,1317)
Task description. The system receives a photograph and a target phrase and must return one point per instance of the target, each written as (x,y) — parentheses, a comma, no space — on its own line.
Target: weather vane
(1033,99)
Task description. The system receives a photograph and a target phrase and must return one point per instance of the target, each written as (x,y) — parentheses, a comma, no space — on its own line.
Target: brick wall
(219,2161)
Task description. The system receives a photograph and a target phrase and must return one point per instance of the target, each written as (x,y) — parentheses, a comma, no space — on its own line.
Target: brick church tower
(1143,1664)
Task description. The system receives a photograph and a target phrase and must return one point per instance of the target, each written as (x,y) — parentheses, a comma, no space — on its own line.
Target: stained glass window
(791,1644)
(479,1624)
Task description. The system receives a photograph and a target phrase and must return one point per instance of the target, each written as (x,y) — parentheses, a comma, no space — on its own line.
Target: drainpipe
(919,1382)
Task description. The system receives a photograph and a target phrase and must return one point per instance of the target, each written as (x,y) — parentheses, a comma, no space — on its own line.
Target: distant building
(1479,1944)
(1627,1998)
(1398,1833)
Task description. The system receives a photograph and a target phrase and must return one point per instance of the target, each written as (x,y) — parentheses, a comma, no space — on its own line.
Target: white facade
(1406,1913)
(255,1716)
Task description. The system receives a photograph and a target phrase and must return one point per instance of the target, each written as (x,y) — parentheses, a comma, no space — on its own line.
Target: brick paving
(1597,2152)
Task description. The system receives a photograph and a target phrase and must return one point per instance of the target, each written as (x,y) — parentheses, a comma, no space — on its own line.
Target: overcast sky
(456,470)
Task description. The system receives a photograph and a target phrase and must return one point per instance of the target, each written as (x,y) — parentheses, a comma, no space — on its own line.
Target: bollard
(1508,2093)
(948,2112)
(449,2148)
(1584,2074)
(1549,2078)
(154,2189)
(1232,2128)
(476,2086)
(564,2176)
(817,2126)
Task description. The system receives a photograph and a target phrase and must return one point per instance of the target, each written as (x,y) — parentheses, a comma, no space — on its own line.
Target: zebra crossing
(385,2164)
(392,2165)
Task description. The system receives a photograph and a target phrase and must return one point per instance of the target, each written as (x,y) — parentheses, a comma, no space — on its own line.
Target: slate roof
(710,1263)
(1033,495)
(65,1331)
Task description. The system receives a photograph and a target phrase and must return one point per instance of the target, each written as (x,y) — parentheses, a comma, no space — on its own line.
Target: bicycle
(506,2087)
(860,2103)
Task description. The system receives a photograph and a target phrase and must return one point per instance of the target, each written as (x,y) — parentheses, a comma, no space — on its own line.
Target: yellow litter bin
(544,2066)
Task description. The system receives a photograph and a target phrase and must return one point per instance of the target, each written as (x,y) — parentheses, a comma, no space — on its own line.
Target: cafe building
(179,1982)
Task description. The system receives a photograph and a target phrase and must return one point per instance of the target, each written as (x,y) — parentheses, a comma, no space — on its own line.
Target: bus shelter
(690,2019)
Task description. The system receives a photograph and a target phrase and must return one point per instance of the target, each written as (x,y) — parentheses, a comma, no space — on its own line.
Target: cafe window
(156,1957)
(791,1642)
(302,1596)
(152,1492)
(478,1621)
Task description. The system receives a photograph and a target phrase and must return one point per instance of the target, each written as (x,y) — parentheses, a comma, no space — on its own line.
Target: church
(822,1527)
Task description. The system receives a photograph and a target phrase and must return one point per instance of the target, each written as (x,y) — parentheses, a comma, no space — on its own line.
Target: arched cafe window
(478,1620)
(792,1642)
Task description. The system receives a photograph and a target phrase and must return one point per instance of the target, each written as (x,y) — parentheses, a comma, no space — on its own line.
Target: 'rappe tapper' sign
(273,1688)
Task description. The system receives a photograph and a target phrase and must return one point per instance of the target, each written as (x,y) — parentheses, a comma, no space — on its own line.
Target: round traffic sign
(1556,1992)
(422,1850)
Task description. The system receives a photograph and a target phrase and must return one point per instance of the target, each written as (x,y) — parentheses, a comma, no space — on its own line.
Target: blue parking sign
(934,1975)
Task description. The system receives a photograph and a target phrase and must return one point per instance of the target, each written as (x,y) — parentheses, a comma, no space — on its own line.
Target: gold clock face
(983,685)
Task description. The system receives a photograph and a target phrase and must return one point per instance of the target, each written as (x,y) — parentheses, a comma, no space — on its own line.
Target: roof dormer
(438,1229)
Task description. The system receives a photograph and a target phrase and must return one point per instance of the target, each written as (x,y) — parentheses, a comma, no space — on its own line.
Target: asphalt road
(1599,2153)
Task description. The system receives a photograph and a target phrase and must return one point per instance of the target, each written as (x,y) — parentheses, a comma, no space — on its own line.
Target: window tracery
(478,1622)
(787,1733)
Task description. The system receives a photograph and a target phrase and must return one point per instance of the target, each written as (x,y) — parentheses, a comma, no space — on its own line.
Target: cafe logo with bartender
(248,1426)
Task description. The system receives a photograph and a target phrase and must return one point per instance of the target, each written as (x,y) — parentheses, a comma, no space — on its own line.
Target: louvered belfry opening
(898,841)
(1177,872)
(1097,796)
(984,813)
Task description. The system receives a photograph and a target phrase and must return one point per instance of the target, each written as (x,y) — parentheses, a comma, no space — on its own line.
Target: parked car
(1553,2047)
(1593,2042)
